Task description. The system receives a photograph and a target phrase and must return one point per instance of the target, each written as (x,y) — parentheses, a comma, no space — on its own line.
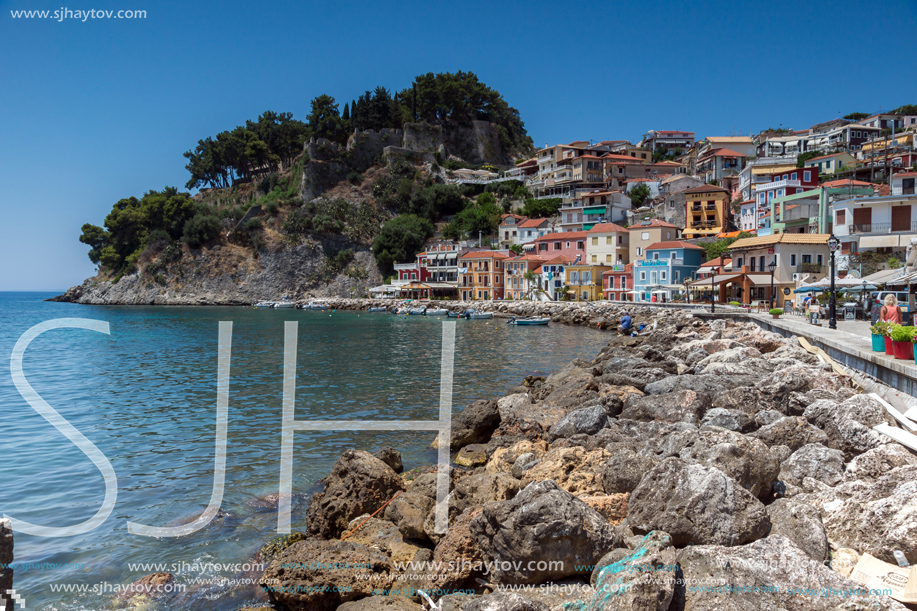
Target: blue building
(664,270)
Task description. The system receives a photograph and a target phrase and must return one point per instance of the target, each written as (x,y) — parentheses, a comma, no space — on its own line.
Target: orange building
(481,274)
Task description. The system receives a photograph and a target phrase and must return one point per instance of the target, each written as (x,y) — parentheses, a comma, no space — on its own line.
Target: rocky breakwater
(702,466)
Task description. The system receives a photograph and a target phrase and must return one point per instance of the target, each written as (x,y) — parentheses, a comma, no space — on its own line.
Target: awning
(902,280)
(717,280)
(588,226)
(761,279)
(773,169)
(883,276)
(886,241)
(594,210)
(385,288)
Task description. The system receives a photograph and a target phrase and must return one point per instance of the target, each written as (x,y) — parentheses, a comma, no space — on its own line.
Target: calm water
(146,395)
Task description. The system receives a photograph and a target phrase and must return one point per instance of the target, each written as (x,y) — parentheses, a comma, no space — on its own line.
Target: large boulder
(382,603)
(745,459)
(849,423)
(643,579)
(384,536)
(679,406)
(314,575)
(475,424)
(584,421)
(505,601)
(391,457)
(476,490)
(792,431)
(696,505)
(816,461)
(624,470)
(547,525)
(801,524)
(729,419)
(408,512)
(574,469)
(359,483)
(772,574)
(457,559)
(875,463)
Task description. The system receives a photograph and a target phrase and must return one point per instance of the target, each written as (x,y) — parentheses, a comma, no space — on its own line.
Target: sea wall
(699,451)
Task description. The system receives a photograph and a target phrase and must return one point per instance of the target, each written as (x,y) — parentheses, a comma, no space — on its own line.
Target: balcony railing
(881,228)
(779,184)
(809,268)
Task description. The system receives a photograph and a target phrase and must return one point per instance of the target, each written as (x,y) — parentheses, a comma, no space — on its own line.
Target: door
(901,218)
(862,220)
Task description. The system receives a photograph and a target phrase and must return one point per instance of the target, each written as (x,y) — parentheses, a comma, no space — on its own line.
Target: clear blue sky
(95,111)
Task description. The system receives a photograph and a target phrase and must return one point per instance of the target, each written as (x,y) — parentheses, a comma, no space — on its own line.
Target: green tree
(201,229)
(856,116)
(541,208)
(516,249)
(96,238)
(712,250)
(400,239)
(639,194)
(325,120)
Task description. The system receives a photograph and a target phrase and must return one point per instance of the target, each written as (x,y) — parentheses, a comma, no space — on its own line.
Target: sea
(145,395)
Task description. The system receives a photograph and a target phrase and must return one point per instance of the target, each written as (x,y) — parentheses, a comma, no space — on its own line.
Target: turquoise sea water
(146,396)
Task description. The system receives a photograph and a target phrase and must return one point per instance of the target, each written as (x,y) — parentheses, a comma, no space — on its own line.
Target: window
(556,245)
(595,241)
(662,275)
(580,245)
(677,277)
(818,259)
(595,258)
(623,282)
(741,262)
(643,275)
(608,240)
(793,176)
(673,255)
(762,263)
(840,217)
(607,258)
(645,235)
(668,235)
(568,244)
(793,260)
(639,251)
(655,256)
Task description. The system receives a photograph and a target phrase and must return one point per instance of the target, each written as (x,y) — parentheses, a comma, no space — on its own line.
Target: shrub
(252,224)
(200,229)
(734,303)
(355,178)
(775,311)
(271,208)
(880,328)
(900,333)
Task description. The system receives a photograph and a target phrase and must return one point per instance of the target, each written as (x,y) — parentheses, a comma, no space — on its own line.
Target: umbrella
(810,289)
(858,289)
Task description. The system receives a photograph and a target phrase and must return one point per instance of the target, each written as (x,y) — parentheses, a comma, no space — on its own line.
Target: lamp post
(865,301)
(772,267)
(833,245)
(712,291)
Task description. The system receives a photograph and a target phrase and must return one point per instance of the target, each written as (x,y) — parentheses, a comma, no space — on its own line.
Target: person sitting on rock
(626,323)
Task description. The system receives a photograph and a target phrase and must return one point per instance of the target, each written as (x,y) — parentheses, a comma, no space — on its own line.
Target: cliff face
(230,275)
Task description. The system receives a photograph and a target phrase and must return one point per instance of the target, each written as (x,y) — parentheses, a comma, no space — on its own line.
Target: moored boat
(475,315)
(532,320)
(264,304)
(437,311)
(379,309)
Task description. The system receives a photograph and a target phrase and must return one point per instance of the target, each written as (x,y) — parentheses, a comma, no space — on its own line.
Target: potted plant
(901,341)
(775,312)
(879,333)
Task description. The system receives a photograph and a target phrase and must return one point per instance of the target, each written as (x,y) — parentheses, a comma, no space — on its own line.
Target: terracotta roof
(515,216)
(735,234)
(614,156)
(717,262)
(662,131)
(653,223)
(561,235)
(486,254)
(846,182)
(724,152)
(673,244)
(533,222)
(706,189)
(904,174)
(743,139)
(781,238)
(643,179)
(606,228)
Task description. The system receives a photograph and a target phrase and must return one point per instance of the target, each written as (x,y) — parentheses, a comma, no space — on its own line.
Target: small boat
(451,314)
(528,321)
(437,311)
(316,306)
(284,304)
(475,315)
(264,304)
(417,312)
(379,309)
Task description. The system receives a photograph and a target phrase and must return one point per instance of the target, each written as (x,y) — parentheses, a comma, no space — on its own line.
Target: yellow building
(584,282)
(706,211)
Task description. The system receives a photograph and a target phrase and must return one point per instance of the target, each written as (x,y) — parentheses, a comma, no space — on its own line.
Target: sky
(98,110)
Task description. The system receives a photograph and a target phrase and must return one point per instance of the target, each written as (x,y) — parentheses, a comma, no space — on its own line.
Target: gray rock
(679,406)
(391,457)
(696,505)
(505,601)
(816,461)
(585,421)
(542,523)
(381,603)
(476,490)
(408,513)
(745,459)
(523,463)
(624,470)
(848,424)
(475,423)
(875,463)
(608,559)
(791,431)
(359,483)
(781,453)
(767,416)
(731,420)
(644,579)
(772,571)
(801,524)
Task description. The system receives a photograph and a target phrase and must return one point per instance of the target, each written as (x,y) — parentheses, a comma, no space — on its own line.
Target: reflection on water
(146,396)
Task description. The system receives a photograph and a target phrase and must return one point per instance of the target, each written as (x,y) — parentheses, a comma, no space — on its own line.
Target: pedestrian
(814,309)
(890,312)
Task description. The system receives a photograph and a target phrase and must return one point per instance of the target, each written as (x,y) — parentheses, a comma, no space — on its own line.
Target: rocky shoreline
(703,466)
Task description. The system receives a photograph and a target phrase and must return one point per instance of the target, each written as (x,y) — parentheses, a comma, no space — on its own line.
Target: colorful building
(608,244)
(567,243)
(831,164)
(516,284)
(665,269)
(706,211)
(618,282)
(646,233)
(481,275)
(781,184)
(584,281)
(552,276)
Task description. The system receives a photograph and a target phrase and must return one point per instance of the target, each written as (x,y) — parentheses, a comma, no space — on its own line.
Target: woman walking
(890,311)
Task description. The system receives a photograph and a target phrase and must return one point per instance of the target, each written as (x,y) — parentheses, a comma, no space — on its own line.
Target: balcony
(881,228)
(710,207)
(779,184)
(809,268)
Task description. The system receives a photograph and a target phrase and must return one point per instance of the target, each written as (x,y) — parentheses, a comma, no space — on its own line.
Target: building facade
(644,234)
(608,244)
(618,283)
(667,266)
(481,275)
(584,282)
(706,211)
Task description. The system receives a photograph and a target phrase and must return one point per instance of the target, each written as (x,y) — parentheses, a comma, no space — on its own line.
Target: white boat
(437,311)
(284,304)
(529,321)
(264,304)
(474,315)
(316,306)
(378,309)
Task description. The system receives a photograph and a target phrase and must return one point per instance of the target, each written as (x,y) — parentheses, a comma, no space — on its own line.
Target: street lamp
(833,245)
(865,301)
(772,267)
(712,290)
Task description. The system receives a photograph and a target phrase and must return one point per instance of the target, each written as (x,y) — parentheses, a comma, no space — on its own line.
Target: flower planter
(903,350)
(877,344)
(889,349)
(775,316)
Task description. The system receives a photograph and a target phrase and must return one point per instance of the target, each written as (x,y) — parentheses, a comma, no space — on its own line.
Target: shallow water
(146,396)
